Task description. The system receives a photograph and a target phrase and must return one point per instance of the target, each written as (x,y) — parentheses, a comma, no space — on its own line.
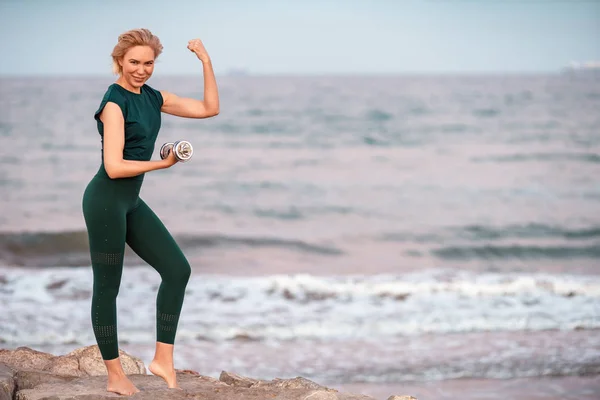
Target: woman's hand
(196,47)
(171,160)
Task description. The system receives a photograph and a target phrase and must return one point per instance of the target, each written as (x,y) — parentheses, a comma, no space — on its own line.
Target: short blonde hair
(132,38)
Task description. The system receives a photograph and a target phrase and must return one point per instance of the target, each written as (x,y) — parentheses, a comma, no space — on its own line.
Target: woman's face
(138,65)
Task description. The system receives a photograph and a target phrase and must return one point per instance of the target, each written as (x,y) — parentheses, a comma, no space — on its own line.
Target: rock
(85,361)
(321,395)
(31,379)
(187,371)
(153,388)
(317,392)
(32,375)
(236,380)
(296,383)
(349,396)
(25,358)
(7,382)
(402,398)
(91,363)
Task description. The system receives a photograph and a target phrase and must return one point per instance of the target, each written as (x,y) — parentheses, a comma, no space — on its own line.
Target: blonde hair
(132,38)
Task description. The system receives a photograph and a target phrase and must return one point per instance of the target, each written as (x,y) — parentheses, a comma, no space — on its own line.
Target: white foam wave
(52,305)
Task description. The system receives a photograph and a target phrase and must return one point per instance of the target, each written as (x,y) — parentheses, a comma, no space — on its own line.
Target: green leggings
(114,215)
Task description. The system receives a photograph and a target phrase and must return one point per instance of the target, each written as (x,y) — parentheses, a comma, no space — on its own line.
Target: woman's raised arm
(193,108)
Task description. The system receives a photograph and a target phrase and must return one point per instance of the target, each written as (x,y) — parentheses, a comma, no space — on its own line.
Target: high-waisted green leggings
(114,215)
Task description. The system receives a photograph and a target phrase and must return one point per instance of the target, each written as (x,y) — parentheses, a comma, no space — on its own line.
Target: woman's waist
(129,181)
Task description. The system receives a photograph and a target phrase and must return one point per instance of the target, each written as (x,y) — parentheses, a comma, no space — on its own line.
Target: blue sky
(64,37)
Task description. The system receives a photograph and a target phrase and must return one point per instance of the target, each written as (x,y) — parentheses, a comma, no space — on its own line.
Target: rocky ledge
(27,374)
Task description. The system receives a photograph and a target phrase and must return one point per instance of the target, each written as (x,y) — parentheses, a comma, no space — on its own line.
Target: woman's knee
(185,271)
(106,281)
(179,272)
(106,292)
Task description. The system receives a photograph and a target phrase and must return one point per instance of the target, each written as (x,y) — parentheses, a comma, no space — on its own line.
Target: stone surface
(402,398)
(237,380)
(295,383)
(7,382)
(151,387)
(26,374)
(32,379)
(91,363)
(321,395)
(80,362)
(25,358)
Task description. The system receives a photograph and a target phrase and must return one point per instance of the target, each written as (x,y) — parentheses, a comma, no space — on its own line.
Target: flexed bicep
(185,106)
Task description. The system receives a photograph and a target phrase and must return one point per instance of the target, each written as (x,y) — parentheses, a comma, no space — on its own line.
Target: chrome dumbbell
(182,148)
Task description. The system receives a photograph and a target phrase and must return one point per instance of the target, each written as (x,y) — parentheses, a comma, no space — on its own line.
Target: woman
(128,121)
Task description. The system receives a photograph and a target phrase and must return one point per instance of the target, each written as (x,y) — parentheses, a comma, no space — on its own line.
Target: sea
(427,235)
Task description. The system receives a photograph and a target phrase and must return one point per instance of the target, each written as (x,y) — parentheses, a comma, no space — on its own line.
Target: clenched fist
(196,46)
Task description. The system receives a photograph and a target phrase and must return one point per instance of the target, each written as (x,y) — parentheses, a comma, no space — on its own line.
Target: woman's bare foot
(120,384)
(165,371)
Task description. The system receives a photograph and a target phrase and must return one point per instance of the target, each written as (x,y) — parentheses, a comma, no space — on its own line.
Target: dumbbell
(182,148)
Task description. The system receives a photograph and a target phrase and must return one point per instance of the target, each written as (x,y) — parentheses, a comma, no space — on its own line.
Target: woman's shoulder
(114,92)
(113,95)
(154,93)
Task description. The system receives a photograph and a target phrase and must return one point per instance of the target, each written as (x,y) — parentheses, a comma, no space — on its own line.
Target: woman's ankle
(163,353)
(117,374)
(114,368)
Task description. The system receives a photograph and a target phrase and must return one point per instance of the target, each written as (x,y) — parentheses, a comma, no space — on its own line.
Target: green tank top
(142,116)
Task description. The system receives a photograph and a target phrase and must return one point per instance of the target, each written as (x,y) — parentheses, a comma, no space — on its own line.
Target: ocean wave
(53,304)
(532,230)
(377,115)
(517,251)
(486,112)
(71,248)
(477,233)
(592,158)
(296,213)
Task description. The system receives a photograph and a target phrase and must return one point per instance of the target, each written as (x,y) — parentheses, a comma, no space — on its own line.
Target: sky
(306,37)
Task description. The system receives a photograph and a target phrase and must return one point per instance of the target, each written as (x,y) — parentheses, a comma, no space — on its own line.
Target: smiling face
(137,66)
